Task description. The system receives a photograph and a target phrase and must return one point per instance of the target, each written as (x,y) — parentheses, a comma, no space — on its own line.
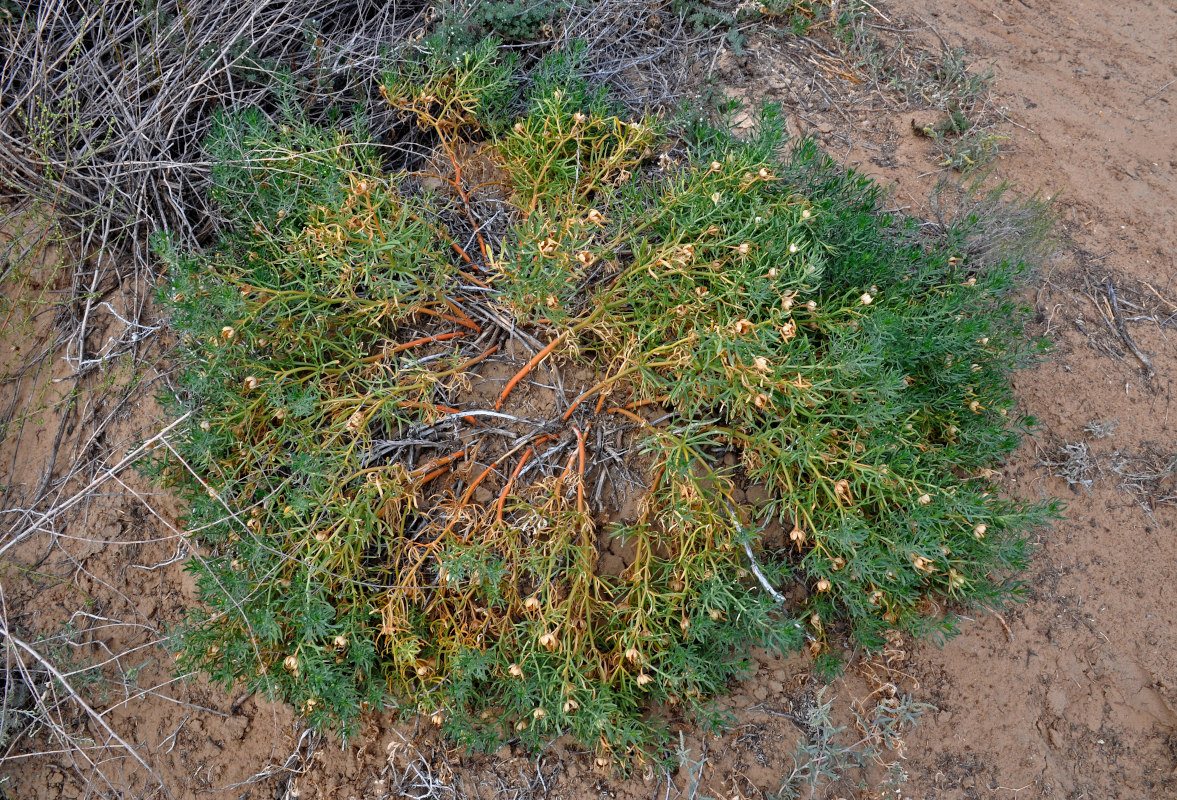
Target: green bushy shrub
(755,290)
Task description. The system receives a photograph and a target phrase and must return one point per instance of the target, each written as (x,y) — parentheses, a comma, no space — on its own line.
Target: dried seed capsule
(539,713)
(515,671)
(291,664)
(924,499)
(979,531)
(643,679)
(823,585)
(633,655)
(570,706)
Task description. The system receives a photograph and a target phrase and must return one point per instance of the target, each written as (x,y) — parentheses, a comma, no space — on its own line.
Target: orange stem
(441,462)
(510,481)
(628,413)
(465,322)
(521,374)
(435,474)
(441,337)
(580,469)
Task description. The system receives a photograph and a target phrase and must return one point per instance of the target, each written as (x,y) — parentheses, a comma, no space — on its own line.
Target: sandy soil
(1071,695)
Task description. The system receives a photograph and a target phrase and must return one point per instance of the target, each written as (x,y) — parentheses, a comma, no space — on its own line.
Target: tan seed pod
(633,655)
(521,725)
(761,364)
(205,426)
(743,327)
(797,536)
(823,585)
(291,664)
(251,383)
(715,614)
(341,642)
(980,530)
(228,334)
(539,713)
(570,706)
(515,671)
(924,499)
(643,679)
(532,603)
(761,400)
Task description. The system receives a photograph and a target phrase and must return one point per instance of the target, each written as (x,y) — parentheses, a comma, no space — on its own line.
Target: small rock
(482,495)
(1056,701)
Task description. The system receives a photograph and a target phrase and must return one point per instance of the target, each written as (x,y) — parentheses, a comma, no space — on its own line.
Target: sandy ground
(1071,695)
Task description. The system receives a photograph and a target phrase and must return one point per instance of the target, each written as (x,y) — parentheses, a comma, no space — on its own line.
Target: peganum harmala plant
(375,529)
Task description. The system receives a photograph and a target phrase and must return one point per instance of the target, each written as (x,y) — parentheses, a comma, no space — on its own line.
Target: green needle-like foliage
(754,291)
